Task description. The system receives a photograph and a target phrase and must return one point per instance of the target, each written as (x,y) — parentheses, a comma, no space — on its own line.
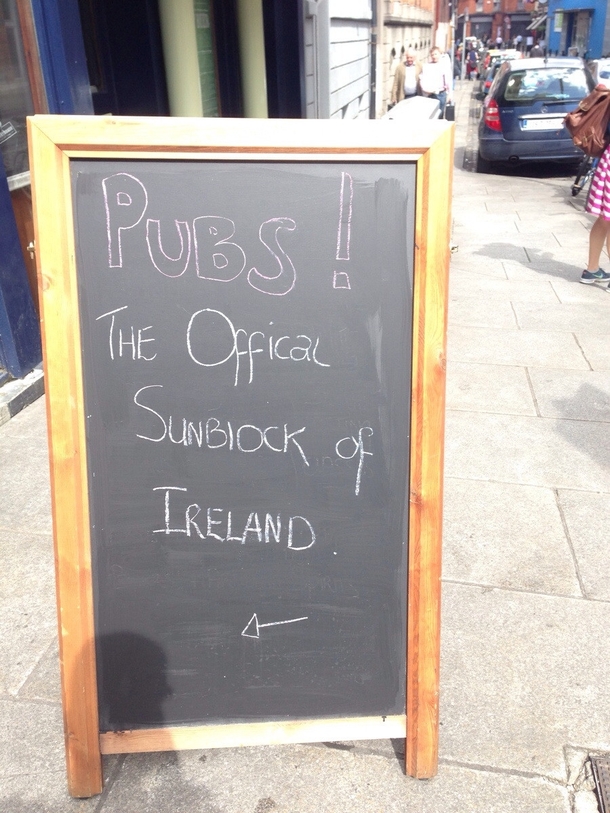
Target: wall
(405,25)
(316,46)
(338,58)
(350,58)
(443,36)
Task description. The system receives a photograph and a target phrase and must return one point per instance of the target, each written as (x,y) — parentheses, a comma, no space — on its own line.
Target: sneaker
(594,276)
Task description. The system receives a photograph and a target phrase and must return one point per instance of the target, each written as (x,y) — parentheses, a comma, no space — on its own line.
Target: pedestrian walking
(406,78)
(598,203)
(471,66)
(436,79)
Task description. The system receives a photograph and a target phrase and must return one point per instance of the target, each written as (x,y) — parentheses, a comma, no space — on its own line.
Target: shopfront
(575,29)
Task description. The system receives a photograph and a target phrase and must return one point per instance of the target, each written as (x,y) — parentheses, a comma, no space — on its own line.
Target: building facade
(489,20)
(405,25)
(579,28)
(252,58)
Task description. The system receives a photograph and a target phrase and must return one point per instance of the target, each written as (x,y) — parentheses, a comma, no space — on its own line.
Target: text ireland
(222,525)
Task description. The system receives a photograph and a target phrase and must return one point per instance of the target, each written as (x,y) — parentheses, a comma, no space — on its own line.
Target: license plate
(541,124)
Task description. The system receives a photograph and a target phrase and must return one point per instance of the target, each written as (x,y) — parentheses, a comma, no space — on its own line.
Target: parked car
(600,69)
(494,59)
(502,54)
(524,110)
(488,77)
(488,57)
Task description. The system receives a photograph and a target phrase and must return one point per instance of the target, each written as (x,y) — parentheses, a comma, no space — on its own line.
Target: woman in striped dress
(598,203)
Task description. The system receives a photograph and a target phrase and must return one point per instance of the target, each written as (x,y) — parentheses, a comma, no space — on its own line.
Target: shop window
(15,95)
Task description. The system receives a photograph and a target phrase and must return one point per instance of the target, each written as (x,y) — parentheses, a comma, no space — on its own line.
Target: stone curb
(15,395)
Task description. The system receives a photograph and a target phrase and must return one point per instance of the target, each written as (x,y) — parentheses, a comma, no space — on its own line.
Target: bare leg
(599,234)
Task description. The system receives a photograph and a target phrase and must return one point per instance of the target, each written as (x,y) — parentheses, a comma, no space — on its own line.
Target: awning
(537,22)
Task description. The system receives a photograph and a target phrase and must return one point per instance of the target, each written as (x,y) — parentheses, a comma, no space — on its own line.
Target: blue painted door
(62,56)
(19,331)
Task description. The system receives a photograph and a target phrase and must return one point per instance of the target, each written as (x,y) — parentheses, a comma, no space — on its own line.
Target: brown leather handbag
(588,123)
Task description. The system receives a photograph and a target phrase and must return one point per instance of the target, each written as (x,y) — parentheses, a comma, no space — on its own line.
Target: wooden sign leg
(76,642)
(83,757)
(67,452)
(431,270)
(422,674)
(423,621)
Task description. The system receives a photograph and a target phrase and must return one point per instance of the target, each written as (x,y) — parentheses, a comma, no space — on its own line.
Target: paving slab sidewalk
(525,691)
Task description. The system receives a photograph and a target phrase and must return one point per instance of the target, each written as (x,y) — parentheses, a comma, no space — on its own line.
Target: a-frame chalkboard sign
(244,330)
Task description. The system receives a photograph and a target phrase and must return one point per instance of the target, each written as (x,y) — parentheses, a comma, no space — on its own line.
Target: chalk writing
(341,279)
(251,630)
(166,265)
(125,201)
(294,533)
(217,256)
(117,343)
(209,326)
(212,434)
(284,280)
(344,232)
(358,450)
(345,217)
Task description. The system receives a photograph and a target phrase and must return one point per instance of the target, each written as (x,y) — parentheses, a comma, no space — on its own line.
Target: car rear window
(546,84)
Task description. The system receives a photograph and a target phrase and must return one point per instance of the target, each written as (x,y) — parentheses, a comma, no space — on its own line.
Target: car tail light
(492,116)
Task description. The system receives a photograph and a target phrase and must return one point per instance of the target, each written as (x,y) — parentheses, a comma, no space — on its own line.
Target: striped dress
(598,201)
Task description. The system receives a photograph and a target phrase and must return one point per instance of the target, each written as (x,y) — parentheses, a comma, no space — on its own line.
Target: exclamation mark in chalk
(341,278)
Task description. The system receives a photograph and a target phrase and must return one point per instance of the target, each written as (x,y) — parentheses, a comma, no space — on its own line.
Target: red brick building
(488,19)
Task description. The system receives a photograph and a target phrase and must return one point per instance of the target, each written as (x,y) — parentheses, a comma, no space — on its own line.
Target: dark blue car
(523,112)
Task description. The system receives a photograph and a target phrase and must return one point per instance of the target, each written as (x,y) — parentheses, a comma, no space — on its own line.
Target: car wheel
(483,165)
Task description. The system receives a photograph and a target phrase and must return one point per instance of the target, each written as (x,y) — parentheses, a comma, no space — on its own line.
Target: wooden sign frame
(54,142)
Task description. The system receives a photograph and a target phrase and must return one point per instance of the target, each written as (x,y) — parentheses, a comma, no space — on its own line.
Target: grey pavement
(525,684)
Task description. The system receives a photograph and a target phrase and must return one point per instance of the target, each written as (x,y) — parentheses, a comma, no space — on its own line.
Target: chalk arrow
(251,630)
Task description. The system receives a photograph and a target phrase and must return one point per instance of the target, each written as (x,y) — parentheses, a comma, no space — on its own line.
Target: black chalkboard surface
(246,349)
